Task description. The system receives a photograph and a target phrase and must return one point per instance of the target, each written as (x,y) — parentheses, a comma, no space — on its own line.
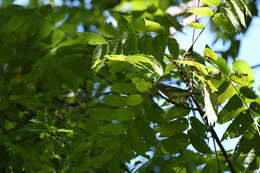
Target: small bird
(173,93)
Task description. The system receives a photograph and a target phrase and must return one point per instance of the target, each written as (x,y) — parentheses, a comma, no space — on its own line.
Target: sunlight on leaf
(202,11)
(209,110)
(212,2)
(197,25)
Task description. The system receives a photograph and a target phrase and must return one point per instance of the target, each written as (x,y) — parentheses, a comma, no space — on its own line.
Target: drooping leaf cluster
(92,101)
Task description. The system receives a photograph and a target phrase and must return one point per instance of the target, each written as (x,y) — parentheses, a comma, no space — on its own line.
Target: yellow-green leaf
(134,100)
(152,26)
(202,11)
(212,2)
(199,66)
(197,25)
(210,54)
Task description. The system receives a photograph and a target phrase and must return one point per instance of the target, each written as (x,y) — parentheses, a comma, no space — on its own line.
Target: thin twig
(215,136)
(215,148)
(215,12)
(255,66)
(196,17)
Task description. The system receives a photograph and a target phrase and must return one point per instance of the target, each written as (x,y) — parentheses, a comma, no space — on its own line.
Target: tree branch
(255,66)
(215,136)
(215,148)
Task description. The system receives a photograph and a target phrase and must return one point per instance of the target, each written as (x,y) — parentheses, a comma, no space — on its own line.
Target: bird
(173,93)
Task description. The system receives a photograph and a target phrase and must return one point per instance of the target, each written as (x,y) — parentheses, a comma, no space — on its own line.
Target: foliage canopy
(92,101)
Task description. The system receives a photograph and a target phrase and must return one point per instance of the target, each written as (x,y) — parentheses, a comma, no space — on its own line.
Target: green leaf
(225,91)
(254,106)
(131,45)
(238,11)
(57,37)
(123,114)
(198,127)
(97,59)
(134,100)
(212,2)
(135,5)
(139,24)
(238,127)
(197,25)
(102,113)
(177,111)
(123,88)
(173,128)
(141,85)
(124,25)
(231,109)
(159,46)
(92,38)
(243,68)
(247,92)
(142,61)
(245,6)
(248,141)
(210,54)
(112,129)
(173,47)
(152,26)
(198,142)
(70,42)
(164,4)
(199,66)
(115,46)
(223,23)
(232,19)
(202,11)
(175,143)
(146,45)
(136,140)
(9,124)
(222,65)
(114,100)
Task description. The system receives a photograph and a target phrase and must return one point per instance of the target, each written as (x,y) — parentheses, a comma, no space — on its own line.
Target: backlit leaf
(202,11)
(141,85)
(210,54)
(197,25)
(212,2)
(209,109)
(152,26)
(242,67)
